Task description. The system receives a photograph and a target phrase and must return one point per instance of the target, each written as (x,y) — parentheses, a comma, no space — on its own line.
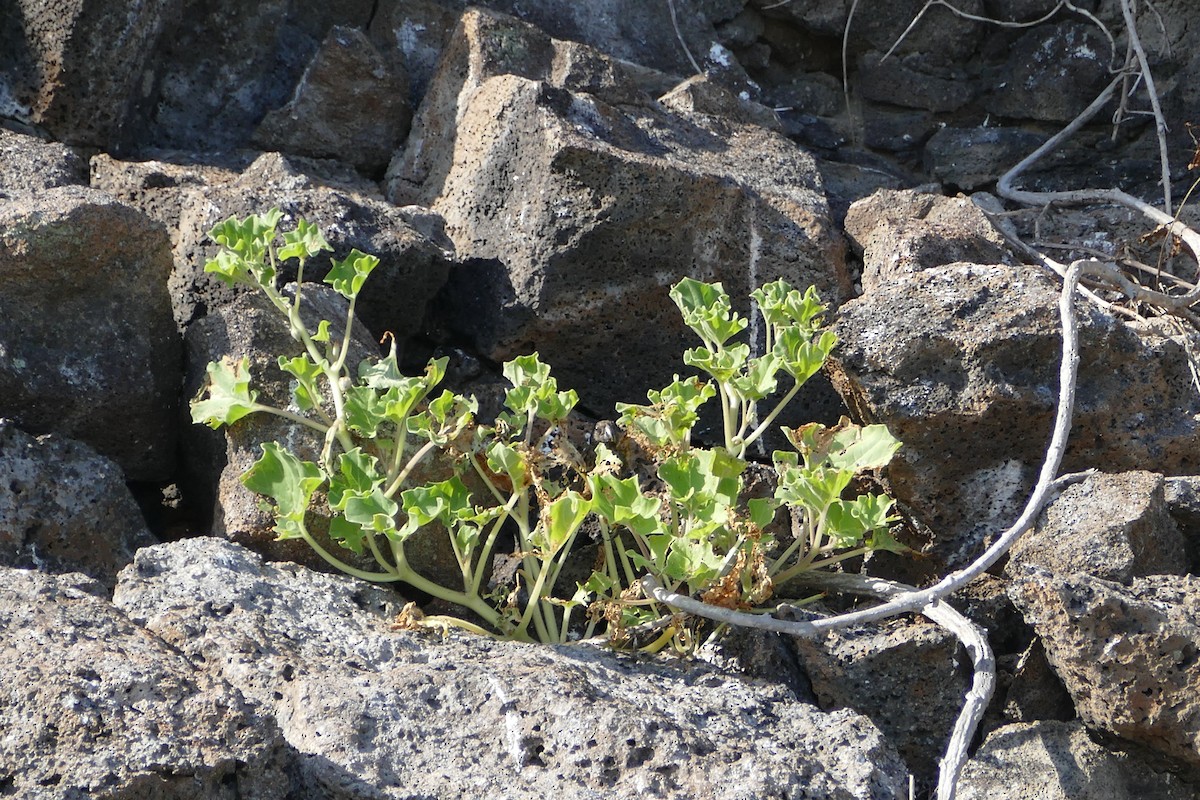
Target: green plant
(656,503)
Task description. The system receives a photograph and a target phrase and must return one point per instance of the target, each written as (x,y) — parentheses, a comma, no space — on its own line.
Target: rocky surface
(533,174)
(409,714)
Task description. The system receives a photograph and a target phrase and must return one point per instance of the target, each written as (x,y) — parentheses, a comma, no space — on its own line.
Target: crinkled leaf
(669,418)
(724,364)
(813,488)
(445,501)
(347,534)
(507,460)
(357,473)
(620,502)
(562,519)
(305,241)
(287,480)
(802,355)
(227,396)
(707,311)
(758,379)
(365,409)
(306,372)
(705,482)
(848,521)
(781,305)
(348,275)
(762,510)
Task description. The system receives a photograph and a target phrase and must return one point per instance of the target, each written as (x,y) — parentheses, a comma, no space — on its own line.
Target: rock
(906,676)
(414,254)
(88,348)
(30,164)
(1058,761)
(1127,655)
(902,232)
(1034,691)
(914,82)
(578,214)
(75,70)
(963,354)
(216,73)
(418,715)
(349,105)
(1114,527)
(1182,495)
(64,508)
(1053,72)
(897,131)
(969,158)
(97,707)
(846,182)
(699,95)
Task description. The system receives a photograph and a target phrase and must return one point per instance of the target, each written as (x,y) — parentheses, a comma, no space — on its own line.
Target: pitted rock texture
(1114,527)
(468,717)
(335,113)
(94,706)
(88,348)
(575,215)
(1058,761)
(1127,655)
(963,354)
(64,508)
(906,676)
(414,253)
(30,164)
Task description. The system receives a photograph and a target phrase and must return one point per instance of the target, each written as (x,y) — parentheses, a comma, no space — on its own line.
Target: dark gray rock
(64,508)
(906,676)
(963,354)
(349,105)
(1053,72)
(414,254)
(461,716)
(95,706)
(88,348)
(902,232)
(578,214)
(1183,501)
(969,158)
(914,82)
(1114,527)
(30,164)
(1058,761)
(1127,655)
(1034,692)
(75,69)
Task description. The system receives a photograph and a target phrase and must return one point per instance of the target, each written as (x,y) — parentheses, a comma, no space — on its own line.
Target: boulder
(1127,655)
(902,232)
(76,69)
(350,104)
(1058,761)
(88,348)
(1114,527)
(970,158)
(575,210)
(906,676)
(915,81)
(414,714)
(95,706)
(1183,500)
(962,354)
(414,254)
(1053,72)
(65,508)
(31,164)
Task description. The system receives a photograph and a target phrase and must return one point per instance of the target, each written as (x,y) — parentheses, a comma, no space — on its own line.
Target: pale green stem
(486,552)
(376,577)
(787,398)
(472,602)
(291,416)
(408,469)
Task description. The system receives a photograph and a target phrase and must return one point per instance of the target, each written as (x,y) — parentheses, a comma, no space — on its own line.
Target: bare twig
(1160,122)
(679,35)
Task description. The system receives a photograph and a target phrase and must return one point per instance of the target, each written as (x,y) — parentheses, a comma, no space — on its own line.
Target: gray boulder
(1114,527)
(64,508)
(1058,761)
(970,158)
(414,254)
(1126,654)
(901,232)
(75,69)
(459,716)
(1053,72)
(906,676)
(95,706)
(350,104)
(30,164)
(88,348)
(963,354)
(576,211)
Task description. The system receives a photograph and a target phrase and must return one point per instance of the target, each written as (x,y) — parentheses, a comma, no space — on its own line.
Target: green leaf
(506,460)
(762,510)
(705,482)
(620,502)
(322,334)
(693,560)
(724,364)
(229,267)
(757,379)
(288,481)
(348,275)
(305,241)
(446,501)
(813,488)
(227,394)
(801,355)
(365,409)
(562,519)
(347,534)
(306,372)
(357,473)
(781,305)
(860,448)
(848,521)
(534,390)
(672,412)
(707,311)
